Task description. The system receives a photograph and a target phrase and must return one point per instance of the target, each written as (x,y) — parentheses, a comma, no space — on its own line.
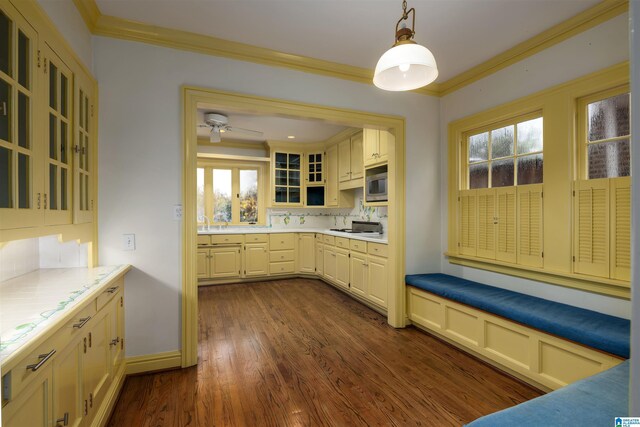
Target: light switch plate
(128,242)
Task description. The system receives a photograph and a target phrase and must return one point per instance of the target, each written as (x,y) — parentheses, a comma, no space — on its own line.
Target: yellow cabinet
(84,150)
(342,267)
(282,255)
(377,280)
(358,274)
(319,257)
(203,263)
(224,262)
(329,264)
(287,178)
(67,384)
(350,161)
(96,366)
(376,146)
(33,406)
(116,330)
(256,259)
(306,253)
(332,176)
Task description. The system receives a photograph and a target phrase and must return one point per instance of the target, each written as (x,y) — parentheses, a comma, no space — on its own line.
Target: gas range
(358,227)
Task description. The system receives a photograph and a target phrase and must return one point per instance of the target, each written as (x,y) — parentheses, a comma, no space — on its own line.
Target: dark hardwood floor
(300,353)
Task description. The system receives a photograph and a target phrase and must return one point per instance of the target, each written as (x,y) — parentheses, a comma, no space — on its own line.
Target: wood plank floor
(300,353)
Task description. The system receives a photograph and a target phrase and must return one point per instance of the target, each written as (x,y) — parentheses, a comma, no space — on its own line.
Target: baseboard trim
(110,399)
(154,362)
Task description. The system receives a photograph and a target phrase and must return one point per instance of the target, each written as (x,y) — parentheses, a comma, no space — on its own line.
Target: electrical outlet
(128,242)
(177,212)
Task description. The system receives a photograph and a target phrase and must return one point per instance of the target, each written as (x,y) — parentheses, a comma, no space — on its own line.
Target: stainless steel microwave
(376,188)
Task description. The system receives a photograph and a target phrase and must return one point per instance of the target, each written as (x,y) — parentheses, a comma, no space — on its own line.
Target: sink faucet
(208,221)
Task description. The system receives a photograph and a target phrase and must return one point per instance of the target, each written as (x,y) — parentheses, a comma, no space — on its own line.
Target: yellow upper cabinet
(332,176)
(47,129)
(287,178)
(21,171)
(375,143)
(350,161)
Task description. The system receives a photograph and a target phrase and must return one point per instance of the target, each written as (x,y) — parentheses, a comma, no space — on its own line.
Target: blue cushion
(597,330)
(595,401)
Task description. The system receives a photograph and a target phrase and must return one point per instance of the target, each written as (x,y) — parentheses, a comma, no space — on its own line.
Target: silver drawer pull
(43,359)
(112,290)
(82,322)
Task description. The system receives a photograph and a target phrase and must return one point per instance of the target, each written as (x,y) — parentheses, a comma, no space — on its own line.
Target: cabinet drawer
(358,246)
(319,238)
(378,249)
(256,238)
(282,267)
(108,294)
(279,241)
(329,240)
(342,242)
(204,240)
(279,256)
(222,239)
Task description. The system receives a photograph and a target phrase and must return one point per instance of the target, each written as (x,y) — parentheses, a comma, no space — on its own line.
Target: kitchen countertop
(32,304)
(367,237)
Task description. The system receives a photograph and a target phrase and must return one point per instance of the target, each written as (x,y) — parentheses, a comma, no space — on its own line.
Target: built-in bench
(594,401)
(547,343)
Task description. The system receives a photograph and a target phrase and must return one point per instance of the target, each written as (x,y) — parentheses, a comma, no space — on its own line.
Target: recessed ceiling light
(291,137)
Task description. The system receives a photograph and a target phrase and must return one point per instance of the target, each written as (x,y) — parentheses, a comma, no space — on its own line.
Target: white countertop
(32,303)
(367,237)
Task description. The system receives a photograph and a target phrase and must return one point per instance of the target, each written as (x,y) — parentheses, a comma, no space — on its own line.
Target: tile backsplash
(327,218)
(20,257)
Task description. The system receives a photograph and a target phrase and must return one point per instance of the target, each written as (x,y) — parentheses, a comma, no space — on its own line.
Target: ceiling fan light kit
(407,65)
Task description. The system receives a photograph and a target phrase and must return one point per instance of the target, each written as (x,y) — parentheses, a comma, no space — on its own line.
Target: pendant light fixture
(407,65)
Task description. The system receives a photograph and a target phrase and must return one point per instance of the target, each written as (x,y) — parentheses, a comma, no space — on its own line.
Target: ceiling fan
(219,123)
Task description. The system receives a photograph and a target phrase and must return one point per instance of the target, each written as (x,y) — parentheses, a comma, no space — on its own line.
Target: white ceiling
(273,128)
(460,33)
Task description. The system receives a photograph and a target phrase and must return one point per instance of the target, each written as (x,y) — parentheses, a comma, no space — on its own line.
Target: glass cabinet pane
(87,205)
(5,111)
(53,149)
(281,177)
(64,94)
(24,199)
(53,187)
(281,160)
(23,60)
(5,44)
(63,142)
(23,121)
(86,114)
(85,154)
(294,161)
(63,189)
(294,195)
(294,178)
(6,173)
(53,86)
(281,194)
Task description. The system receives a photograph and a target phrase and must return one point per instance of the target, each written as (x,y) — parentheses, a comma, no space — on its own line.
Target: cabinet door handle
(64,420)
(43,359)
(83,322)
(112,290)
(114,341)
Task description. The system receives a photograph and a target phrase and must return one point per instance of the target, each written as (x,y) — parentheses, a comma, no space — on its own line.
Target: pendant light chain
(404,9)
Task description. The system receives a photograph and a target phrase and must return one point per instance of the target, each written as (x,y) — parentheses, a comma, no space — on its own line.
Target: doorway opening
(195,98)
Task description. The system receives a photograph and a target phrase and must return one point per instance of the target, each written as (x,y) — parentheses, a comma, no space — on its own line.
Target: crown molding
(89,11)
(581,22)
(110,26)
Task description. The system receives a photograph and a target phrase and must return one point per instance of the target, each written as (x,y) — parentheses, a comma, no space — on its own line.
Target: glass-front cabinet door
(20,175)
(287,188)
(83,151)
(315,172)
(58,81)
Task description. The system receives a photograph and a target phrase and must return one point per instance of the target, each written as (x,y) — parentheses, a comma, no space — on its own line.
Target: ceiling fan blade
(242,130)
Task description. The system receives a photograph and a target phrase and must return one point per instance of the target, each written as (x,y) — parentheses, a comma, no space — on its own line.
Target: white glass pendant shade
(405,66)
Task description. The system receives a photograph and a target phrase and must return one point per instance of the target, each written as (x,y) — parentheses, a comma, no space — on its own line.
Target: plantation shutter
(486,223)
(530,225)
(467,229)
(506,227)
(591,246)
(620,191)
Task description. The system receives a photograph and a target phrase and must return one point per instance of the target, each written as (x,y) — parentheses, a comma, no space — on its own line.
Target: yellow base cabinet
(319,255)
(282,255)
(329,270)
(306,253)
(358,274)
(203,264)
(224,262)
(342,267)
(377,280)
(64,380)
(256,259)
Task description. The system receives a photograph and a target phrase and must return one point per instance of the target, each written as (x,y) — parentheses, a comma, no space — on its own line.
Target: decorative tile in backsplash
(327,218)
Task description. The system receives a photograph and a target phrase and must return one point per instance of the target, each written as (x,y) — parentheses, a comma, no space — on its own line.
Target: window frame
(512,121)
(235,167)
(582,124)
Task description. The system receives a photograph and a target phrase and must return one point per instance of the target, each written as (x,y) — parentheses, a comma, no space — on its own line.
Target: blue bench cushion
(595,401)
(597,330)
